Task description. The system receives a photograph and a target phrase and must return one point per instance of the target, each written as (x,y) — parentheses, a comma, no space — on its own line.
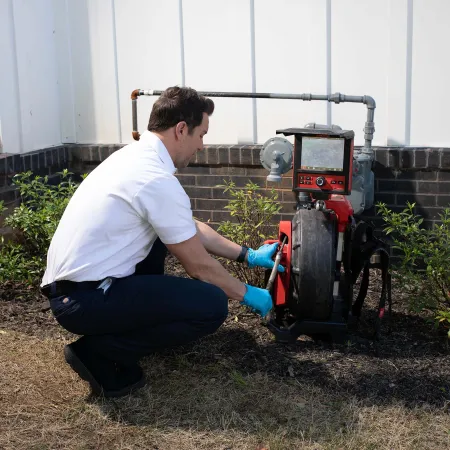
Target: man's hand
(258,299)
(263,257)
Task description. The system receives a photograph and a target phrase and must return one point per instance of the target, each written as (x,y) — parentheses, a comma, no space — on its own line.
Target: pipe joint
(369,129)
(135,94)
(369,101)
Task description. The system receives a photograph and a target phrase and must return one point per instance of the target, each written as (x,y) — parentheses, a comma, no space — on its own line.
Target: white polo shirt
(116,214)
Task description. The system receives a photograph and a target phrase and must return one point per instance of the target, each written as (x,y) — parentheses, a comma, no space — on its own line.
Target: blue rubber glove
(258,299)
(263,257)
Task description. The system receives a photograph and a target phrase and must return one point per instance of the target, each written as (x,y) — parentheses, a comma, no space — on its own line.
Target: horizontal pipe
(337,98)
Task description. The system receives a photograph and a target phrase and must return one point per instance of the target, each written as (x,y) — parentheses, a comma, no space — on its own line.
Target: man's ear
(181,130)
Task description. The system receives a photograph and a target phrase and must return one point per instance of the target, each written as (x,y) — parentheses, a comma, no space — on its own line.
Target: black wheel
(313,264)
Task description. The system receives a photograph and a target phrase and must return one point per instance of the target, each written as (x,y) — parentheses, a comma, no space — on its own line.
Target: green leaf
(35,221)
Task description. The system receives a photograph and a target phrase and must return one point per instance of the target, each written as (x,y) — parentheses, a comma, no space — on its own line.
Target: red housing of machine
(282,280)
(332,182)
(341,207)
(330,186)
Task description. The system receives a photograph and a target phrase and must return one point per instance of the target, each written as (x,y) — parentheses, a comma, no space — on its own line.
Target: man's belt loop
(52,288)
(64,287)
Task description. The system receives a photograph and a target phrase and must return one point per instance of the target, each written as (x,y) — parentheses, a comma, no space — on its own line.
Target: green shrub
(424,269)
(34,222)
(254,213)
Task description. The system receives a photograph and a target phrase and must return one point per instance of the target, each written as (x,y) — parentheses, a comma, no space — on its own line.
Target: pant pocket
(67,313)
(62,304)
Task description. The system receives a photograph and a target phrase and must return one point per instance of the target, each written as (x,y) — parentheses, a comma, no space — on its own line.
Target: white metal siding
(68,66)
(29,110)
(10,120)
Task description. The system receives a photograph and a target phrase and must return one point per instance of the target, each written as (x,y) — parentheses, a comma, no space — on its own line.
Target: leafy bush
(34,222)
(424,269)
(254,212)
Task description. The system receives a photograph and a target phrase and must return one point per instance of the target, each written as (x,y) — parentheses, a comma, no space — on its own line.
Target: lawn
(237,389)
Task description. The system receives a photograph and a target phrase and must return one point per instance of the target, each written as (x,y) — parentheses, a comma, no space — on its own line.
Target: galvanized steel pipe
(369,127)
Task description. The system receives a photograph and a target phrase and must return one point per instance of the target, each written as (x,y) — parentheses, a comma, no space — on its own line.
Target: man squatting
(105,264)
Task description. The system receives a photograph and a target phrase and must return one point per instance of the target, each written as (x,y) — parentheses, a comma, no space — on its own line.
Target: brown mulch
(411,363)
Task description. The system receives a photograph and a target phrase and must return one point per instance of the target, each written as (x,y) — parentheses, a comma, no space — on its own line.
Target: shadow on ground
(233,389)
(243,377)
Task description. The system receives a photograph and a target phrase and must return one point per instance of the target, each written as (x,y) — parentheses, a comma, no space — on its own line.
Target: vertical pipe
(134,96)
(368,130)
(134,113)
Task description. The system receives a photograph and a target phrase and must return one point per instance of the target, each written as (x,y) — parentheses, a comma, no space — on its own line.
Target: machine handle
(276,264)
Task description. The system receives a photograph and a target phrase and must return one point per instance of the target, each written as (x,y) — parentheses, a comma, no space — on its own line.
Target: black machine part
(331,132)
(312,308)
(313,264)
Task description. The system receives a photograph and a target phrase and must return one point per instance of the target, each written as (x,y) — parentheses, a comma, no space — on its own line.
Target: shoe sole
(126,390)
(77,365)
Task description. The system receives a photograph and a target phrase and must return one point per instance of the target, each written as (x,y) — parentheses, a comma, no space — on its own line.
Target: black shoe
(110,383)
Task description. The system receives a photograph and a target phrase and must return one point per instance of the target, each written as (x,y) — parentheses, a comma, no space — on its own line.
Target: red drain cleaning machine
(326,249)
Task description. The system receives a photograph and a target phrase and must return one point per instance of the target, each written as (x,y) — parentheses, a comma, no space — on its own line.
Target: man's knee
(220,303)
(214,310)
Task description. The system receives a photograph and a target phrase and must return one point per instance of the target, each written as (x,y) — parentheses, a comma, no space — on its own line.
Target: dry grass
(235,390)
(193,406)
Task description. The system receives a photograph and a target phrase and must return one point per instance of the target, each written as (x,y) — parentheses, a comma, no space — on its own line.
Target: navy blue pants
(142,313)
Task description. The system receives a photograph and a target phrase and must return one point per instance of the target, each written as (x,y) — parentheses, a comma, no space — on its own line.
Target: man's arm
(200,265)
(216,244)
(191,253)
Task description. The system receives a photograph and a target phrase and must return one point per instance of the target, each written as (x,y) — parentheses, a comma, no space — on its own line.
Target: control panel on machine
(322,160)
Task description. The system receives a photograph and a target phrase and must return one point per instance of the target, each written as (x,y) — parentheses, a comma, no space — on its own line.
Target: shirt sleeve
(166,206)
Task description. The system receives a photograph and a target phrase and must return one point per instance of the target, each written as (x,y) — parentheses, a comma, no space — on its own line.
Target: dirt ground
(237,389)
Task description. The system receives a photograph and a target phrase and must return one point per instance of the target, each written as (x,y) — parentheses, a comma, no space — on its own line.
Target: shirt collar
(150,140)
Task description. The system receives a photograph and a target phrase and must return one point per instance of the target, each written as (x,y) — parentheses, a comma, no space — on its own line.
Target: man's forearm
(214,273)
(202,266)
(217,244)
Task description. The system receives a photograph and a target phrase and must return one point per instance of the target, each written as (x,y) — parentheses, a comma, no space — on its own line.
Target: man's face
(192,143)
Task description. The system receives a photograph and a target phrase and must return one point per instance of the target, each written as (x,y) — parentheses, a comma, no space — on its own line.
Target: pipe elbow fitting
(369,101)
(135,94)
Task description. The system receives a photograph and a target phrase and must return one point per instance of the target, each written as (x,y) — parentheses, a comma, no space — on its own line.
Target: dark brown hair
(178,104)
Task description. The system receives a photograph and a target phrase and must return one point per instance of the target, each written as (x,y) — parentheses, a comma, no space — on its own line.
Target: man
(105,265)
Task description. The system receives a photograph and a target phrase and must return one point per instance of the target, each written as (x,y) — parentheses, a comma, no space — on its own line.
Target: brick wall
(415,174)
(238,164)
(420,175)
(42,162)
